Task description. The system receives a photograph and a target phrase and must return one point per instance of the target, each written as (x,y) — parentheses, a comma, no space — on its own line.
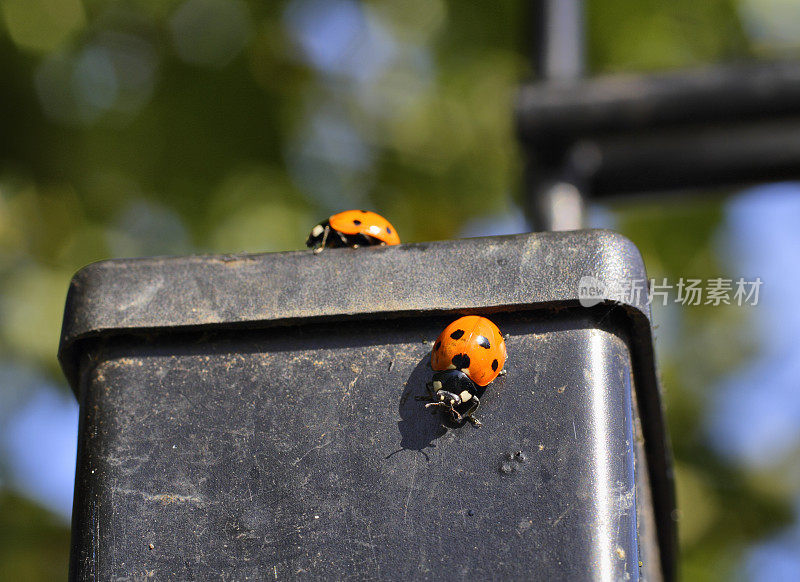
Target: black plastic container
(254,417)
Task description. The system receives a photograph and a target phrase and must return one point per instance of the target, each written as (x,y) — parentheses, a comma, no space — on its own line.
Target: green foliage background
(204,141)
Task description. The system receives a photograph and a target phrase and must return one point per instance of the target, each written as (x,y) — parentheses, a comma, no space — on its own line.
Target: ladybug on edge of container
(352,228)
(467,356)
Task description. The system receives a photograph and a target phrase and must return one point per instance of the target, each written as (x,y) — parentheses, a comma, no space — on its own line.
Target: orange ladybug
(472,344)
(352,228)
(467,356)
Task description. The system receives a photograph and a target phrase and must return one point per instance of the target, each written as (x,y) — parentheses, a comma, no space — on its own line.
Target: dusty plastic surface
(256,416)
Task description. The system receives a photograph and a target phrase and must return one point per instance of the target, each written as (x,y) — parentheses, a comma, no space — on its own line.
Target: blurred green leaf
(34,545)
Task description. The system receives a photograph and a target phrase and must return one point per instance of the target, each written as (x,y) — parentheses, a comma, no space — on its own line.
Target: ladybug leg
(450,409)
(429,396)
(458,417)
(473,407)
(318,248)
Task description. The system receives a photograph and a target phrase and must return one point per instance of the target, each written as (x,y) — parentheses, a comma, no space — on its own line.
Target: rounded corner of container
(89,272)
(618,246)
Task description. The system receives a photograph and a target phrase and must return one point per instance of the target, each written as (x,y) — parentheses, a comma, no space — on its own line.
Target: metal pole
(558,52)
(553,197)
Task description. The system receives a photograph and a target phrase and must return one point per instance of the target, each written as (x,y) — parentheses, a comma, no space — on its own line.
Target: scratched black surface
(301,453)
(163,297)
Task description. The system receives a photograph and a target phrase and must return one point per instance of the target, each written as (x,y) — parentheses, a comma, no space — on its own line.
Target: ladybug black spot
(356,222)
(457,334)
(389,230)
(483,342)
(363,211)
(461,361)
(494,365)
(437,346)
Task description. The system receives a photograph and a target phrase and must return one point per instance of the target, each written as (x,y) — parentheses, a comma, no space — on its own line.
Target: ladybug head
(445,398)
(316,235)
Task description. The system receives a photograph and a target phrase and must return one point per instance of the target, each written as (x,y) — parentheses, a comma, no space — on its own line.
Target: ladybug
(352,228)
(467,356)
